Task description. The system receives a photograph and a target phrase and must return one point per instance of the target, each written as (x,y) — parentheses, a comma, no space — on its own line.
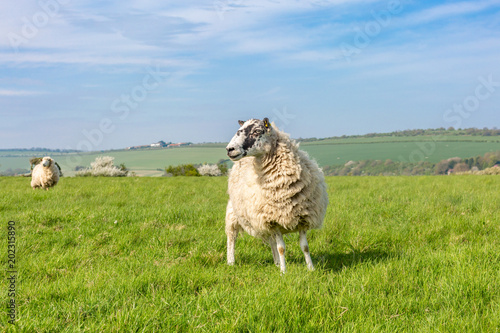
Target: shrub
(223,168)
(210,170)
(461,167)
(103,166)
(182,170)
(489,171)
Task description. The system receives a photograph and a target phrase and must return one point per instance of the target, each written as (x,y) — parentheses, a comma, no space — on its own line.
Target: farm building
(159,144)
(181,144)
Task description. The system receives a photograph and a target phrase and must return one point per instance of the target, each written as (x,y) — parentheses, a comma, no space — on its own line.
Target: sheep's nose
(229,149)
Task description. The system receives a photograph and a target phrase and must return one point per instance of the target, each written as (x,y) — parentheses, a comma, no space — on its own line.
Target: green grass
(396,254)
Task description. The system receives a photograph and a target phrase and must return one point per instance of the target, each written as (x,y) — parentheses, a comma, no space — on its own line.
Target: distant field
(144,162)
(326,152)
(419,138)
(396,254)
(151,160)
(331,154)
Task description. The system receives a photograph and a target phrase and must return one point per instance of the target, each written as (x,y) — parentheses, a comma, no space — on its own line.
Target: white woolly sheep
(274,189)
(45,174)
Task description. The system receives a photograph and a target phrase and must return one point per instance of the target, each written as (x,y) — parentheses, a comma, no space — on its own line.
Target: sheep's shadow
(322,260)
(335,262)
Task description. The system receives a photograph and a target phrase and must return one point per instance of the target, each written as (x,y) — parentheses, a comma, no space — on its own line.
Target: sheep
(274,189)
(45,174)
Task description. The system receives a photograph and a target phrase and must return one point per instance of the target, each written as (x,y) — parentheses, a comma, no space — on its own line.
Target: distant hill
(409,146)
(38,149)
(486,132)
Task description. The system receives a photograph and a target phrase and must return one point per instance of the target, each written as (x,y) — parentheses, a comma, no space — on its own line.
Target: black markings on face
(249,138)
(251,134)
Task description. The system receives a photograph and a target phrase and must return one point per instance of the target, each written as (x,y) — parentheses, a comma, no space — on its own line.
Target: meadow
(145,162)
(396,254)
(404,151)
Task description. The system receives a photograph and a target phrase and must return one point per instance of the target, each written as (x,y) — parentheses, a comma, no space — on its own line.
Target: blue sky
(96,75)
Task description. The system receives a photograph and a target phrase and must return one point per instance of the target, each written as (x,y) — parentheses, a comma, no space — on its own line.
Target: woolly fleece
(282,189)
(45,176)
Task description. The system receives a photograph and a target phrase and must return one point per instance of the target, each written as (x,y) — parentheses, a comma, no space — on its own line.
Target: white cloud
(16,93)
(125,32)
(67,58)
(449,10)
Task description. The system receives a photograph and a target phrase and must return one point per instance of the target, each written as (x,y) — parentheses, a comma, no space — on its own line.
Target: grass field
(326,152)
(396,254)
(144,162)
(414,151)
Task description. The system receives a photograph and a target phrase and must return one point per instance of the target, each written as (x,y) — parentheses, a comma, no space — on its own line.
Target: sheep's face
(47,162)
(252,139)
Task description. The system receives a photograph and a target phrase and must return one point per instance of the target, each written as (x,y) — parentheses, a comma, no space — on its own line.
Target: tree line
(419,132)
(394,168)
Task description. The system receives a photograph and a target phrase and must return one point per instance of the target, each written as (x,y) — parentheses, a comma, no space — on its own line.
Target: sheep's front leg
(231,232)
(305,249)
(280,244)
(274,248)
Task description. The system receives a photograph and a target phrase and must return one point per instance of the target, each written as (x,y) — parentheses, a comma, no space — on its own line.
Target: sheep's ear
(241,122)
(267,124)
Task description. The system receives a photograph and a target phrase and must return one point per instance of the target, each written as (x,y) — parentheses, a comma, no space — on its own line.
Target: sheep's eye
(258,132)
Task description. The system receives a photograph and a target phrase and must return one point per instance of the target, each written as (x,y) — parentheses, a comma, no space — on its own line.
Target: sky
(97,75)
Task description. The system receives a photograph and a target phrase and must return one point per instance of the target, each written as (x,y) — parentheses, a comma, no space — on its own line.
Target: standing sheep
(45,174)
(274,189)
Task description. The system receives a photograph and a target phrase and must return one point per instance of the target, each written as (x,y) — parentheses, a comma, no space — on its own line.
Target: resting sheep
(274,189)
(45,174)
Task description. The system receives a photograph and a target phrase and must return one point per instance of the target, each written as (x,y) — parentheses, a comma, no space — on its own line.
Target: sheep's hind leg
(274,248)
(305,248)
(280,244)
